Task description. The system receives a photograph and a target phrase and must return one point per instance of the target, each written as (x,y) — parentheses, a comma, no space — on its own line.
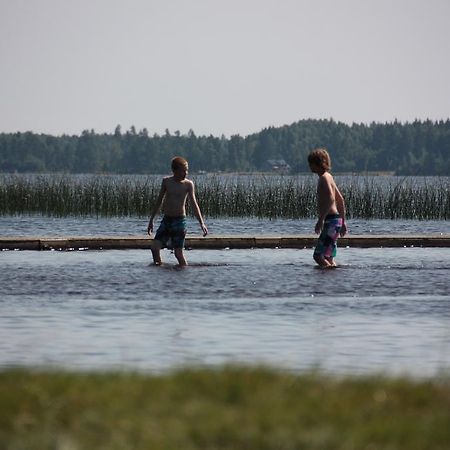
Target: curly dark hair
(321,158)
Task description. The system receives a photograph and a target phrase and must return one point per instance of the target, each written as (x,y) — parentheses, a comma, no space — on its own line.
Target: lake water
(382,311)
(37,225)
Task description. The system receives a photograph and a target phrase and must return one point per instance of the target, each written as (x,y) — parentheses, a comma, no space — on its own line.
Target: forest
(411,148)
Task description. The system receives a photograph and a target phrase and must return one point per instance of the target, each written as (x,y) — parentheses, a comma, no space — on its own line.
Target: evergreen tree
(417,148)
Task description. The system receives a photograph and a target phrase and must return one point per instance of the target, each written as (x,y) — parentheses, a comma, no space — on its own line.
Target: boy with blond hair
(331,205)
(172,230)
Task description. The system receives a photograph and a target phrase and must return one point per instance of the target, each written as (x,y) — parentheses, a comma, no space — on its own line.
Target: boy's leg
(320,250)
(335,229)
(159,241)
(330,261)
(178,235)
(321,260)
(179,254)
(326,244)
(156,252)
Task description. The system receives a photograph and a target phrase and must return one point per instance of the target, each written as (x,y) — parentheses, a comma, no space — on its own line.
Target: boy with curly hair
(331,205)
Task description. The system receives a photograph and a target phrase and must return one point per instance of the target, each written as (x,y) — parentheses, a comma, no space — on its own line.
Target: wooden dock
(219,242)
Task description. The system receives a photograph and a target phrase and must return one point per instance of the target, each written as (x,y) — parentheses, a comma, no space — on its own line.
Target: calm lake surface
(382,311)
(38,225)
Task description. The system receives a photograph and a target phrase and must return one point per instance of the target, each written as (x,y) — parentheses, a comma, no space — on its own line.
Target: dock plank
(218,242)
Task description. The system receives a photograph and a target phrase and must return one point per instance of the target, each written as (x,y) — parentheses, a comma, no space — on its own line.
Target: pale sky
(220,66)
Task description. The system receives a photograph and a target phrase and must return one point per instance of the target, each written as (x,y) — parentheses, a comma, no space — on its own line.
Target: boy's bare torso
(327,192)
(176,193)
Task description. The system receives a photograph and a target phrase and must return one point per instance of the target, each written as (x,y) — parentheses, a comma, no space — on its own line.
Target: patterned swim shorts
(326,244)
(172,232)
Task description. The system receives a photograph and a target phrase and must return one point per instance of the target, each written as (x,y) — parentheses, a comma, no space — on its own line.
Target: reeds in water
(393,198)
(58,195)
(257,196)
(224,196)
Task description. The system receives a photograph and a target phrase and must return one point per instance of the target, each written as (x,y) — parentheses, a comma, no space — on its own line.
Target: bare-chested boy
(331,207)
(174,191)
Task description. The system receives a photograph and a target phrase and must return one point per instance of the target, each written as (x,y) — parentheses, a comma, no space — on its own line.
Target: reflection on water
(383,310)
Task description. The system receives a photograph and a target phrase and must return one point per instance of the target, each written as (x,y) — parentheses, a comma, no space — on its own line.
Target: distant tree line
(416,148)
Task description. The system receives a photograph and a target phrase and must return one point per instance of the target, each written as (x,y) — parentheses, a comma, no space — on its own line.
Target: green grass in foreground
(228,408)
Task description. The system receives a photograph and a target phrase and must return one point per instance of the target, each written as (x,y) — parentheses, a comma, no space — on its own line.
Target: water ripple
(382,310)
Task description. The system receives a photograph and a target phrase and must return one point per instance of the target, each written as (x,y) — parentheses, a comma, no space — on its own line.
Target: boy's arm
(325,197)
(158,203)
(340,205)
(197,212)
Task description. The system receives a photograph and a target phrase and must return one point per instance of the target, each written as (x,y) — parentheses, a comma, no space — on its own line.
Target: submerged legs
(324,262)
(180,257)
(156,252)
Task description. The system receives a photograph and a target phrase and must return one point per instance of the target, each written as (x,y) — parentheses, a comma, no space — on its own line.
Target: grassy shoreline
(222,408)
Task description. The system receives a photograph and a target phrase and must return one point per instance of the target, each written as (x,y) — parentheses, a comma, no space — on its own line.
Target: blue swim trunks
(172,232)
(326,244)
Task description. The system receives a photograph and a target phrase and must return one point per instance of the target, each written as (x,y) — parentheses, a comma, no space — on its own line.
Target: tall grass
(238,196)
(70,195)
(393,198)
